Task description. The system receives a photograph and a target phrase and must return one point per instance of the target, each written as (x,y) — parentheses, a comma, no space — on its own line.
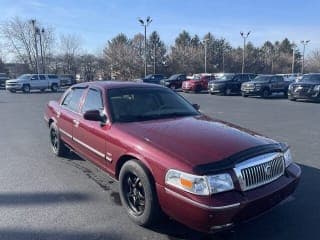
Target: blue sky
(97,21)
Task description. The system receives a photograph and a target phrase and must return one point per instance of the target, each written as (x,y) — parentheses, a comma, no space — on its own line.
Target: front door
(91,135)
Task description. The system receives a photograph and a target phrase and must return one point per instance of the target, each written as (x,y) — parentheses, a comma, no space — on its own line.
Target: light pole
(244,36)
(41,33)
(304,43)
(205,54)
(35,29)
(293,56)
(145,24)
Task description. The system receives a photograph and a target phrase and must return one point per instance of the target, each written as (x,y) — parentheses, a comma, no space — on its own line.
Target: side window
(274,79)
(42,77)
(72,100)
(93,101)
(245,78)
(280,79)
(34,77)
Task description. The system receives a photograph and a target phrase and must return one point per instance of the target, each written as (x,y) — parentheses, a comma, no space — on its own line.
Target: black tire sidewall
(24,88)
(61,148)
(149,215)
(54,87)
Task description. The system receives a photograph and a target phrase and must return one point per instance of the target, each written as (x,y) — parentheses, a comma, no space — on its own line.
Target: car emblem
(267,170)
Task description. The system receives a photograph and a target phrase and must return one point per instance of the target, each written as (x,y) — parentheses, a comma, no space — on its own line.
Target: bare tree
(70,47)
(313,61)
(20,40)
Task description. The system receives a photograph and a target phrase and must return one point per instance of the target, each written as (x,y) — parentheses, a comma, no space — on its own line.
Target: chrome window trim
(200,205)
(255,161)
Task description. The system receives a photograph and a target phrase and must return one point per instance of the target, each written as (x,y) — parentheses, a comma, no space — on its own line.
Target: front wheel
(227,92)
(54,87)
(265,93)
(57,145)
(244,95)
(26,88)
(292,99)
(137,193)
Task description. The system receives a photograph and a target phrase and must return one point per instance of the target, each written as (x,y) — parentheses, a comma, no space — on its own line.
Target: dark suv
(307,88)
(229,83)
(264,86)
(153,78)
(174,81)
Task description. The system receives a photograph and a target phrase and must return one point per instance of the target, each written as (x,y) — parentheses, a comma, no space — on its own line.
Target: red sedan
(167,156)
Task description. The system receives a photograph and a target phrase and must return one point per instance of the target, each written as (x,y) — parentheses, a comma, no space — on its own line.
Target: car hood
(195,140)
(258,82)
(305,83)
(14,80)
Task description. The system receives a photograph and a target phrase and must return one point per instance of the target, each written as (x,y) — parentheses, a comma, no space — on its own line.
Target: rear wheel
(57,145)
(26,88)
(292,99)
(12,91)
(137,193)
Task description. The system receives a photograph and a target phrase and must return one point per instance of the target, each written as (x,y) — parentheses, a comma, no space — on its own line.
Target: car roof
(117,84)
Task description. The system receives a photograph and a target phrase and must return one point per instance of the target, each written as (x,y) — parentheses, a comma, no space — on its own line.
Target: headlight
(290,86)
(166,83)
(200,185)
(316,88)
(220,183)
(287,157)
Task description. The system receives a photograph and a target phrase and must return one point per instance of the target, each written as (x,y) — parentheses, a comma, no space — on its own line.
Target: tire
(137,193)
(244,95)
(54,87)
(173,87)
(12,91)
(265,93)
(227,92)
(292,99)
(57,145)
(197,89)
(26,88)
(43,90)
(285,93)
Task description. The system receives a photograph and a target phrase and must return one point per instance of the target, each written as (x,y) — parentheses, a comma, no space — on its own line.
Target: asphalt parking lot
(45,197)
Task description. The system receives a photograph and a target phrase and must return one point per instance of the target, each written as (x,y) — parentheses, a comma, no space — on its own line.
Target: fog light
(220,227)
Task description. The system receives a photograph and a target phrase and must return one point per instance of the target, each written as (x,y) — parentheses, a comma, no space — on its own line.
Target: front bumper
(13,87)
(216,88)
(251,91)
(310,95)
(209,214)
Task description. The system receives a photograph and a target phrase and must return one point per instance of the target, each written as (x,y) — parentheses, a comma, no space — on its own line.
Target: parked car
(28,82)
(152,78)
(174,81)
(67,80)
(3,78)
(264,86)
(229,83)
(197,83)
(307,88)
(167,156)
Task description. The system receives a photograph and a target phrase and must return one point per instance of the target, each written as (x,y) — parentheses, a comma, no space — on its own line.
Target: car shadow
(297,218)
(40,198)
(19,234)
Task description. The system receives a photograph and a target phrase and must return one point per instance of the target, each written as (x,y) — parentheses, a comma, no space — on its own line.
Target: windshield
(262,78)
(226,77)
(24,76)
(143,104)
(173,77)
(311,78)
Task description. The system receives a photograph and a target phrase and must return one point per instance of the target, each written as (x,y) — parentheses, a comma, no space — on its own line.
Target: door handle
(75,122)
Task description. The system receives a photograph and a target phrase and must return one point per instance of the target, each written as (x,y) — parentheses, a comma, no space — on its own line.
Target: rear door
(91,135)
(43,83)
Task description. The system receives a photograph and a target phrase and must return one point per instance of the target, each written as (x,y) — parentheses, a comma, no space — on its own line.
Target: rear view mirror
(196,106)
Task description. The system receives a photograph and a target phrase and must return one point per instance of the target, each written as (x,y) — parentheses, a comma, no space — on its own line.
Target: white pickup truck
(28,82)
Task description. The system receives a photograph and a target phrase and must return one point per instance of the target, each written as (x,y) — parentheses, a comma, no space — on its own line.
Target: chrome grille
(260,170)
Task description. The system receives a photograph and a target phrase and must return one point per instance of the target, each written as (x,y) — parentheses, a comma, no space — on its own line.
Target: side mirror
(94,115)
(196,106)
